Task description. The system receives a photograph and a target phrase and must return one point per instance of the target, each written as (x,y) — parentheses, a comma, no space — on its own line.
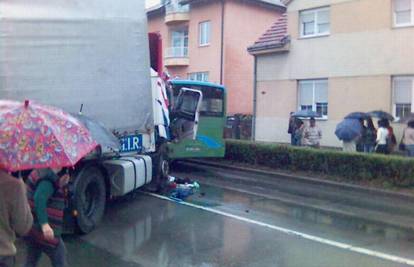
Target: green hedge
(353,166)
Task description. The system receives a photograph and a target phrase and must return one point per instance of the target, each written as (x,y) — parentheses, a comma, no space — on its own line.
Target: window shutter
(403,90)
(306,93)
(402,9)
(308,17)
(321,91)
(402,5)
(323,21)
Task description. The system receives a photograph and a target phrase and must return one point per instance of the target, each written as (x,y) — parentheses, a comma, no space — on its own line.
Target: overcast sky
(150,3)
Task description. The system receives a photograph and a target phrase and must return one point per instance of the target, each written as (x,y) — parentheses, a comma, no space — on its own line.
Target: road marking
(332,243)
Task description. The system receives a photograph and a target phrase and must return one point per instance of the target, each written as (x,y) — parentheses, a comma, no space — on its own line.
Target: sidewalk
(365,208)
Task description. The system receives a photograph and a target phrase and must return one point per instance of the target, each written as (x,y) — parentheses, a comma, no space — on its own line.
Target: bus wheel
(89,198)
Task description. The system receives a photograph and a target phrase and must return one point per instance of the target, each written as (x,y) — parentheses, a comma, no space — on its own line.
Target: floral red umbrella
(34,136)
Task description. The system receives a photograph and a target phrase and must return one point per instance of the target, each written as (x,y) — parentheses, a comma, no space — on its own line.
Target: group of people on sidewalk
(32,206)
(370,140)
(304,135)
(381,140)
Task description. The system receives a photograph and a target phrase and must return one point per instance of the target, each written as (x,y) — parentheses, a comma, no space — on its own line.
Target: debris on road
(182,188)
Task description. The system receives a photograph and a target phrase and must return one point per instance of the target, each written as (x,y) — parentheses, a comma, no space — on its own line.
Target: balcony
(176,13)
(177,56)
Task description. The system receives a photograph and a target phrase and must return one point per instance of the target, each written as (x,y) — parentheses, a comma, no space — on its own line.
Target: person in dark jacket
(15,216)
(361,141)
(294,125)
(369,137)
(46,198)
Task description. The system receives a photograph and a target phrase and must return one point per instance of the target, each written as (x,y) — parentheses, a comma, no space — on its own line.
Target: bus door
(208,141)
(185,115)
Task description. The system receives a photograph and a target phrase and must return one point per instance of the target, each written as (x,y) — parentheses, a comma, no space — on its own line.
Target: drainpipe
(222,42)
(254,99)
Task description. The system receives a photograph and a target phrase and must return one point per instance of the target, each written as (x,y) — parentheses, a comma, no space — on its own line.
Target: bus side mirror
(186,114)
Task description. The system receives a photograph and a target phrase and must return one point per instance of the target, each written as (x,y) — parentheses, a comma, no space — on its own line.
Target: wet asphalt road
(143,230)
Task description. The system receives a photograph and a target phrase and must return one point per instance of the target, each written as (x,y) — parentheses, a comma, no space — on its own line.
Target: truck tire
(160,169)
(89,198)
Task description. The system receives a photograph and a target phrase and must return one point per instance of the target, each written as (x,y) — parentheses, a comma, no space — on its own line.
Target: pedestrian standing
(15,216)
(312,134)
(382,136)
(298,134)
(46,197)
(350,146)
(369,137)
(392,140)
(360,140)
(408,139)
(292,128)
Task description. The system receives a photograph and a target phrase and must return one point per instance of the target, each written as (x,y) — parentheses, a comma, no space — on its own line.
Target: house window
(315,22)
(403,87)
(179,43)
(313,95)
(403,12)
(204,33)
(198,76)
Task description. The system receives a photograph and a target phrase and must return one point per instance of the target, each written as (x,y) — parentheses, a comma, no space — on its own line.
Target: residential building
(207,40)
(334,57)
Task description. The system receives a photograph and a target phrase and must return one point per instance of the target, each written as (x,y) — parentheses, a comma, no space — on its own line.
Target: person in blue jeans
(369,137)
(294,130)
(408,139)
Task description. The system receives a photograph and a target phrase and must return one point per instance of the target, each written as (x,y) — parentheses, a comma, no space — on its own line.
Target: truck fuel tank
(128,173)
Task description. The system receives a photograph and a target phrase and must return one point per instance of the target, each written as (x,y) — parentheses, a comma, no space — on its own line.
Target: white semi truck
(94,54)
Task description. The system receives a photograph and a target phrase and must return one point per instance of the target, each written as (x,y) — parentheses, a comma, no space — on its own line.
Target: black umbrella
(357,116)
(408,118)
(106,139)
(306,114)
(381,115)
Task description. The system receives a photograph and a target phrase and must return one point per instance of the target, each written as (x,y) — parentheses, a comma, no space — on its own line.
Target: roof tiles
(276,36)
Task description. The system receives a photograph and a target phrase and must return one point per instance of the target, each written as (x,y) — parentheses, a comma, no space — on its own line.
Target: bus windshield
(213,99)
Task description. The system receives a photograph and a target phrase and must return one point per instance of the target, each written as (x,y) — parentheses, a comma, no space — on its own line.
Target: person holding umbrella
(294,129)
(369,137)
(37,137)
(392,140)
(349,131)
(361,139)
(382,136)
(15,216)
(47,199)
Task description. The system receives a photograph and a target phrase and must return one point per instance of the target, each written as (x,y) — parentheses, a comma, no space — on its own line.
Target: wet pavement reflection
(151,232)
(141,230)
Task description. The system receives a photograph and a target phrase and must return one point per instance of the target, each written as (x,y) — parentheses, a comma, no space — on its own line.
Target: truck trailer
(94,54)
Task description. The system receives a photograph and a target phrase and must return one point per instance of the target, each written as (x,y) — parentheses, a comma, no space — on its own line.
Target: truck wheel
(160,169)
(89,198)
